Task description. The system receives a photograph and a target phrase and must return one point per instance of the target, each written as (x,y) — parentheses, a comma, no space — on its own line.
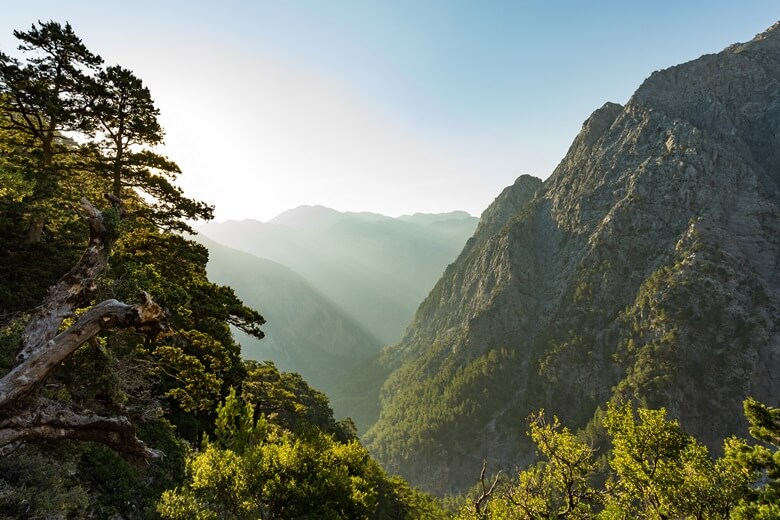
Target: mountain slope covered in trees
(106,405)
(376,268)
(305,331)
(645,268)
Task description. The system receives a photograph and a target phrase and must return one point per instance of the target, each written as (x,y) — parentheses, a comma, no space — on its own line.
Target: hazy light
(279,138)
(392,107)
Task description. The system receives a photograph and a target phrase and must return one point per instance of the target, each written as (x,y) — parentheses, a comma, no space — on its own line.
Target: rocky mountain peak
(508,202)
(645,268)
(595,127)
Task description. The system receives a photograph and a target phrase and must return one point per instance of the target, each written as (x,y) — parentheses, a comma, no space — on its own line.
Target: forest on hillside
(124,395)
(90,217)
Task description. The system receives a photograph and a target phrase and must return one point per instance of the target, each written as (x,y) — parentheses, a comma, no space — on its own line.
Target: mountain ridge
(376,268)
(252,278)
(643,268)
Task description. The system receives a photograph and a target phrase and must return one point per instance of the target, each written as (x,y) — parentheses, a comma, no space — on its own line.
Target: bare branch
(51,420)
(73,289)
(34,369)
(24,415)
(486,493)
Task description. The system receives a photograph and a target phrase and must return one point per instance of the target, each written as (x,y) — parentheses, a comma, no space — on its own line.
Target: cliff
(645,268)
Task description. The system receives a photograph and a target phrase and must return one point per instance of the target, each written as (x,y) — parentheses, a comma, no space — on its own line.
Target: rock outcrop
(647,267)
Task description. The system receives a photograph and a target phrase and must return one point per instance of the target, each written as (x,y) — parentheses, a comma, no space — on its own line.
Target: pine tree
(127,130)
(42,99)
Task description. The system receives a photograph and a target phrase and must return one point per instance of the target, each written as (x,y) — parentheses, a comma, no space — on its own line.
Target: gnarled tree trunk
(24,414)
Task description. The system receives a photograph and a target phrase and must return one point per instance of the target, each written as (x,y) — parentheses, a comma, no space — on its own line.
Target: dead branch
(28,374)
(24,414)
(486,493)
(51,420)
(72,289)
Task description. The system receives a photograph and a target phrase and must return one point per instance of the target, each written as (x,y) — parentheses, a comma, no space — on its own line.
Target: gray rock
(644,268)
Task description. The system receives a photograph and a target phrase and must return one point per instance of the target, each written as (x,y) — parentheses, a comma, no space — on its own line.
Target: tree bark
(24,414)
(72,289)
(51,420)
(35,230)
(35,367)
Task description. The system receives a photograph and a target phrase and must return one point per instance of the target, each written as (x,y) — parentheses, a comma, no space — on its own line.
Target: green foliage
(646,451)
(564,478)
(235,427)
(10,339)
(764,422)
(760,461)
(80,480)
(14,186)
(661,472)
(288,401)
(657,472)
(400,501)
(32,487)
(194,363)
(52,81)
(556,487)
(316,478)
(24,277)
(126,119)
(40,98)
(257,469)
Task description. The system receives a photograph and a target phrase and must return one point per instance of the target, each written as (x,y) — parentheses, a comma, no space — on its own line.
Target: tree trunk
(35,231)
(24,415)
(38,219)
(51,420)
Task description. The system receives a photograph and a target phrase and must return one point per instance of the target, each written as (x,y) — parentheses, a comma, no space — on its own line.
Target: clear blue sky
(390,106)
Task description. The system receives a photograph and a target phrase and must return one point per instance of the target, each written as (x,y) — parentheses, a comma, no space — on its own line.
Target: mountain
(428,219)
(305,331)
(376,268)
(646,267)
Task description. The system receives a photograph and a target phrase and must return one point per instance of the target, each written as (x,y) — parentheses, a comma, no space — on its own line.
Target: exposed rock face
(646,267)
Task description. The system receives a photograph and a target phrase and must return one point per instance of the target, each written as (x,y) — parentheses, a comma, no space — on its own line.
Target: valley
(643,269)
(335,287)
(602,343)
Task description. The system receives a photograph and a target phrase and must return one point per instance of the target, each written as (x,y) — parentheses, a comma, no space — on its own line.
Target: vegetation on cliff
(141,383)
(644,269)
(649,469)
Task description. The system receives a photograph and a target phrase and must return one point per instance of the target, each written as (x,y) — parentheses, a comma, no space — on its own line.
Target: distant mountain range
(376,268)
(646,268)
(334,287)
(305,330)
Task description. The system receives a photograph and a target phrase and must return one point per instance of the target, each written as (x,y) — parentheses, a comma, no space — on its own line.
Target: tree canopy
(91,218)
(652,469)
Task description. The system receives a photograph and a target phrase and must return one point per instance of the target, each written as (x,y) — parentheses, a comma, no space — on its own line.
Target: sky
(388,106)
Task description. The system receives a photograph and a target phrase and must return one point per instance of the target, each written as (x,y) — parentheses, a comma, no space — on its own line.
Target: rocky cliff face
(646,267)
